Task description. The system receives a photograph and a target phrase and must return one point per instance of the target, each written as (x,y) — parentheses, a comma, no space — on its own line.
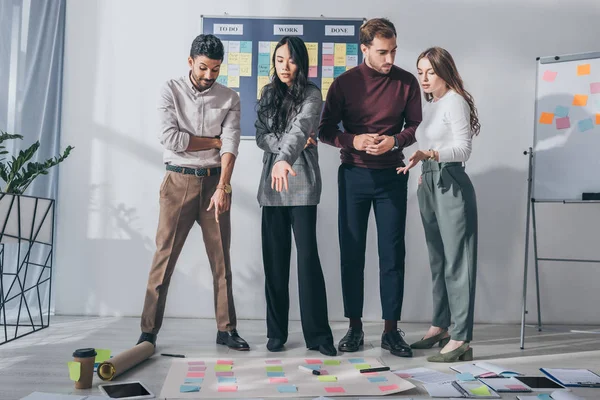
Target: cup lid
(84,353)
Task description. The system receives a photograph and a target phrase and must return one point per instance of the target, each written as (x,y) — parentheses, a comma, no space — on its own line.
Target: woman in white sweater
(447,203)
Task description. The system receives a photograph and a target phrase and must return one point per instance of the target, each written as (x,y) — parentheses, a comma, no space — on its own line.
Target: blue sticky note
(544,396)
(465,377)
(263,69)
(275,374)
(264,59)
(356,360)
(226,379)
(287,389)
(585,125)
(374,379)
(222,79)
(561,111)
(246,47)
(188,388)
(337,71)
(193,380)
(351,49)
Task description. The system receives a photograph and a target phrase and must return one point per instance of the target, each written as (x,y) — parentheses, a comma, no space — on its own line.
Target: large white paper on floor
(196,378)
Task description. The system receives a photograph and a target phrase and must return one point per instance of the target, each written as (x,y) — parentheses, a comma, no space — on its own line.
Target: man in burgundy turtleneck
(379,106)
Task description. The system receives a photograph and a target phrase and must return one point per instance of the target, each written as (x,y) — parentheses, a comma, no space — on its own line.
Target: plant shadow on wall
(20,172)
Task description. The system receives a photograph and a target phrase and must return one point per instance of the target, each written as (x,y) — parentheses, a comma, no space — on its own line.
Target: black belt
(194,171)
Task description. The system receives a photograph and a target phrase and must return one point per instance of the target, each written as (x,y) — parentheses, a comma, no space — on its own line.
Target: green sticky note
(275,368)
(481,391)
(74,370)
(332,362)
(102,355)
(328,378)
(222,368)
(362,366)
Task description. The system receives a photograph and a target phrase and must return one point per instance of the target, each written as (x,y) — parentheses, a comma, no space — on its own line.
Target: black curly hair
(209,46)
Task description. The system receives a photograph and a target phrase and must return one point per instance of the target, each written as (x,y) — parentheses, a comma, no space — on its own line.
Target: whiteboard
(566,149)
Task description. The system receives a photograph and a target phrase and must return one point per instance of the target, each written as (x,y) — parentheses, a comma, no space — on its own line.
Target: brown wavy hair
(444,67)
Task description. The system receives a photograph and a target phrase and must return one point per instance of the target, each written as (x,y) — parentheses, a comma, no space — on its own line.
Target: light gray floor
(38,362)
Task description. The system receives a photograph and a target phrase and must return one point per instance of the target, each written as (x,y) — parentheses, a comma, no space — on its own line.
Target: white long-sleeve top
(446,128)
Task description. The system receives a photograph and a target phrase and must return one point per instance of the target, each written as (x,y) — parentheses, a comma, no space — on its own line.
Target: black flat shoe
(352,340)
(232,340)
(394,342)
(325,349)
(275,345)
(147,337)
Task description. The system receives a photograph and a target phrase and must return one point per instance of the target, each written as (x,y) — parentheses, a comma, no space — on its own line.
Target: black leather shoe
(147,337)
(352,340)
(394,342)
(325,349)
(232,340)
(275,345)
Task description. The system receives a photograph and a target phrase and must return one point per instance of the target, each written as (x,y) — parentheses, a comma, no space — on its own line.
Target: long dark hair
(444,67)
(279,101)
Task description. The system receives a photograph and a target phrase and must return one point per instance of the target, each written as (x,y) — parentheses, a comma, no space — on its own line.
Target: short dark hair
(376,27)
(209,46)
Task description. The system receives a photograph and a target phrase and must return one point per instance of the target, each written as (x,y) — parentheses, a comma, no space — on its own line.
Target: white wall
(118,53)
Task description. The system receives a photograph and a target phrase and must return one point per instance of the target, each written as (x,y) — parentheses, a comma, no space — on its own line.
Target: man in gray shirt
(200,133)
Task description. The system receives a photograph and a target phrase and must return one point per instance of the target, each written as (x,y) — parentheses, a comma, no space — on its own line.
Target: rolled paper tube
(123,362)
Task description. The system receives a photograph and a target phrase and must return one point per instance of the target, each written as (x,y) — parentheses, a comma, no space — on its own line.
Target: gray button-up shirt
(305,187)
(185,111)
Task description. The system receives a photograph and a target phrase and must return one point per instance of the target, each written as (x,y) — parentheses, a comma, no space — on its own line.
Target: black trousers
(277,226)
(359,189)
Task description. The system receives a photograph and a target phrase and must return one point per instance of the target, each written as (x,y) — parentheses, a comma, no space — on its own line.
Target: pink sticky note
(225,362)
(196,363)
(403,375)
(313,71)
(563,123)
(200,368)
(323,372)
(595,87)
(224,373)
(335,389)
(388,387)
(370,373)
(273,362)
(313,361)
(195,375)
(549,76)
(328,60)
(278,380)
(231,388)
(516,387)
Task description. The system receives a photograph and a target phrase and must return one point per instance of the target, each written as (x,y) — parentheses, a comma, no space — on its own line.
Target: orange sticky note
(580,100)
(583,69)
(597,119)
(388,387)
(546,118)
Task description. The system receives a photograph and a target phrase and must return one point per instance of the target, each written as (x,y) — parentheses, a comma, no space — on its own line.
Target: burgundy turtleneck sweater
(366,101)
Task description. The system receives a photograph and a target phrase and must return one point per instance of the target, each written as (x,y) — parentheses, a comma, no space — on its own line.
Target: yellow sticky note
(273,45)
(223,69)
(349,68)
(331,362)
(233,81)
(313,53)
(327,378)
(362,366)
(222,368)
(325,85)
(74,370)
(546,118)
(339,55)
(233,58)
(245,70)
(481,391)
(583,69)
(245,58)
(580,100)
(261,82)
(102,355)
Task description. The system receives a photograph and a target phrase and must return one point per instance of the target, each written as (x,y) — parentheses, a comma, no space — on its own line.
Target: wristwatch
(226,188)
(396,145)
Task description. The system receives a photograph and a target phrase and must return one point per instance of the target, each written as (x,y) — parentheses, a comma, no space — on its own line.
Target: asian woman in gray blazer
(289,191)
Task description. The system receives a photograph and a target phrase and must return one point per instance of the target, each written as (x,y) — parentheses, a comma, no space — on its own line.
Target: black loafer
(325,349)
(275,345)
(394,342)
(147,337)
(352,340)
(232,340)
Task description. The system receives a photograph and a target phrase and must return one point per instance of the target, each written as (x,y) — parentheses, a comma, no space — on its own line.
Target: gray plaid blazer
(305,187)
